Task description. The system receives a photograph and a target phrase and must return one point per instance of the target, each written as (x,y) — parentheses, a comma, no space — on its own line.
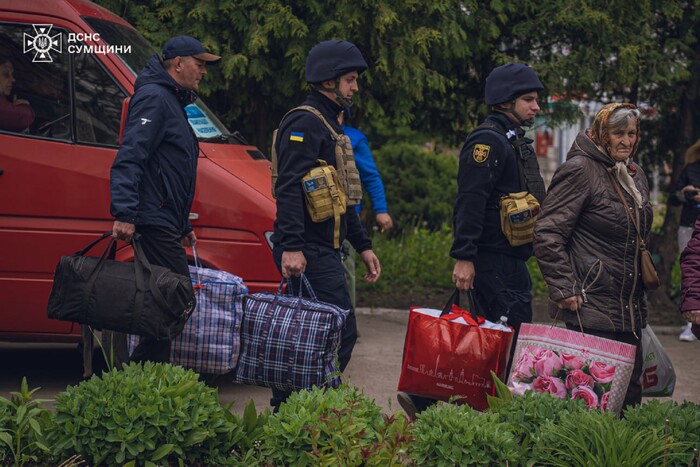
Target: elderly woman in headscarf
(586,240)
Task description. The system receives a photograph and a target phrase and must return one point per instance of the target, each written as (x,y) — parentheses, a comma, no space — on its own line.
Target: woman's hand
(572,303)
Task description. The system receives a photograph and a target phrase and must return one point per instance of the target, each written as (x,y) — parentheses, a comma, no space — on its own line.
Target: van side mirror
(122,119)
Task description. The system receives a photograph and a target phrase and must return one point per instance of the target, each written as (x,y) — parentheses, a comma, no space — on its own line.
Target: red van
(75,63)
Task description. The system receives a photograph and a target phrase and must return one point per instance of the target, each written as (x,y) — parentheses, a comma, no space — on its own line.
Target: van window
(112,33)
(98,102)
(35,99)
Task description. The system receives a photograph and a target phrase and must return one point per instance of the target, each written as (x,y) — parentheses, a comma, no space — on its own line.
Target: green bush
(333,427)
(420,185)
(448,435)
(416,260)
(23,426)
(151,412)
(247,436)
(600,439)
(679,422)
(527,414)
(419,259)
(539,286)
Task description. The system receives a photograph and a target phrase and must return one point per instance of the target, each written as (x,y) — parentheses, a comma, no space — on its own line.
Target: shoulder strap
(320,116)
(616,184)
(490,126)
(498,129)
(273,151)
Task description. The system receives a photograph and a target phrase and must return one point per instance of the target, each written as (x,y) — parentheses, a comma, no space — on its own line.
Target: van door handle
(2,171)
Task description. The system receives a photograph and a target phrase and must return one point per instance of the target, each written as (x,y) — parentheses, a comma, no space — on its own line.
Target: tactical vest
(519,211)
(344,159)
(530,177)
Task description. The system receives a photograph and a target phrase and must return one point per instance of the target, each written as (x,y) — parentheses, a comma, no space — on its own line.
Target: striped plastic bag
(210,341)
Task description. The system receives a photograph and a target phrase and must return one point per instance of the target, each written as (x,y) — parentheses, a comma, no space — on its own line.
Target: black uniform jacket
(302,140)
(691,210)
(488,169)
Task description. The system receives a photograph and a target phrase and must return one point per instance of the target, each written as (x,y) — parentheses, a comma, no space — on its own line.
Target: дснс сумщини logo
(42,43)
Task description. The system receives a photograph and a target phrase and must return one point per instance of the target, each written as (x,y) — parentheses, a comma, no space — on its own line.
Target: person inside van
(15,114)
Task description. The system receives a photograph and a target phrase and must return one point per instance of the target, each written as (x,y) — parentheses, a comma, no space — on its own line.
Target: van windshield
(205,124)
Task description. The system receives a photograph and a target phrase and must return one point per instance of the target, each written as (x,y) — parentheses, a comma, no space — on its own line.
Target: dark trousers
(161,247)
(633,396)
(502,287)
(324,270)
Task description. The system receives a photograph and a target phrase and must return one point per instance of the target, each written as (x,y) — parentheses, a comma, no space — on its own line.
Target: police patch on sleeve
(481,152)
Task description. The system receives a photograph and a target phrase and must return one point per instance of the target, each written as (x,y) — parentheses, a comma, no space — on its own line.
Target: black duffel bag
(133,298)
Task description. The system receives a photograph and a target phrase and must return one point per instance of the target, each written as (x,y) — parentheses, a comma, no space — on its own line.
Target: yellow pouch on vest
(325,198)
(518,215)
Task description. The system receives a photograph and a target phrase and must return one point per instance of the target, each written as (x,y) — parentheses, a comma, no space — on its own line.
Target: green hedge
(149,415)
(420,186)
(419,259)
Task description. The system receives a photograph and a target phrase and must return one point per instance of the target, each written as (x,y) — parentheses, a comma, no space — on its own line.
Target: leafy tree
(429,59)
(264,44)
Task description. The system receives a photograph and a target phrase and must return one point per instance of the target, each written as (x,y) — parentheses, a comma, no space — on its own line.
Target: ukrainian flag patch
(296,136)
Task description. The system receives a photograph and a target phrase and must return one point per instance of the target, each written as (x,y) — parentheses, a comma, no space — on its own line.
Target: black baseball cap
(186,46)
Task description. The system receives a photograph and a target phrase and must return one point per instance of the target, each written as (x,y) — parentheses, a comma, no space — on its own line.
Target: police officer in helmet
(496,160)
(309,133)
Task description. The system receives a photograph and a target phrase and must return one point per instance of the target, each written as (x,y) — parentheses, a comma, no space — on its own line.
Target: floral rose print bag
(571,365)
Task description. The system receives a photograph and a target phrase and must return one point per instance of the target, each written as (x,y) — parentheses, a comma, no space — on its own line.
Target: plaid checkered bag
(210,341)
(289,342)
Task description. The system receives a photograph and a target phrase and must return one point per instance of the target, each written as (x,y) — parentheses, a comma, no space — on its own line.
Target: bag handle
(141,265)
(616,184)
(109,252)
(95,242)
(197,266)
(454,300)
(303,282)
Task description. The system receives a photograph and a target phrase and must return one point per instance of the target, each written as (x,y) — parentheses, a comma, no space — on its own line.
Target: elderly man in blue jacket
(153,176)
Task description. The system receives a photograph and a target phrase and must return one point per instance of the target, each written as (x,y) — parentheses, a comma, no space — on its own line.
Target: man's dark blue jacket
(153,176)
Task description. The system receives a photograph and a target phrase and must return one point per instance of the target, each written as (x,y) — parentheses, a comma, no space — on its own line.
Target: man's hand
(384,222)
(189,239)
(374,270)
(463,274)
(123,231)
(573,303)
(293,263)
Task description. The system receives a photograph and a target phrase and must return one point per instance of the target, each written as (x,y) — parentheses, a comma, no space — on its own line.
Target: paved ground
(375,365)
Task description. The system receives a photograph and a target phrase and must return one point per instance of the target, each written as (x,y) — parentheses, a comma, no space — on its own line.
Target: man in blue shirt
(372,183)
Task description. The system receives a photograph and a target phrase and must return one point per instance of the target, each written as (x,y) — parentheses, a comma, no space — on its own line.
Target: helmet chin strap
(511,110)
(342,100)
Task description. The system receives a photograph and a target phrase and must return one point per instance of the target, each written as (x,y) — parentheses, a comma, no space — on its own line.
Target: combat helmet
(329,60)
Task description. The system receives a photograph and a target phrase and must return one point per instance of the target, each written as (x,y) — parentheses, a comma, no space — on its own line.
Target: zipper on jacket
(635,274)
(598,263)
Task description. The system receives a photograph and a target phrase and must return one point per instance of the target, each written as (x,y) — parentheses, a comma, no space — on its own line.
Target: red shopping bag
(450,353)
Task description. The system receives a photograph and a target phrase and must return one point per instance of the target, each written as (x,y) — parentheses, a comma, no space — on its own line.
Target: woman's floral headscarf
(598,133)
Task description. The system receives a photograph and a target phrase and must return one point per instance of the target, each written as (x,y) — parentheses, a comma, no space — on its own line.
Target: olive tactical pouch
(325,197)
(347,172)
(518,214)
